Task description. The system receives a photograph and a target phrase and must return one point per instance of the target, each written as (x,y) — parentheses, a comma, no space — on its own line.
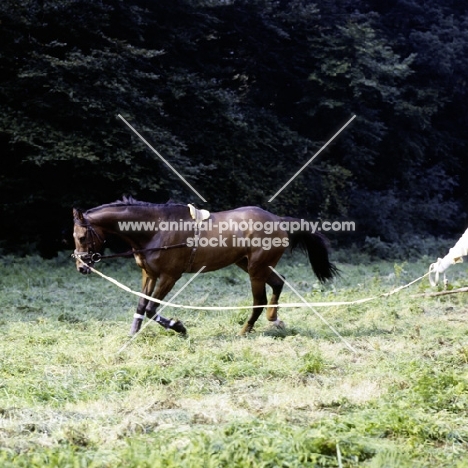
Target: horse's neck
(116,220)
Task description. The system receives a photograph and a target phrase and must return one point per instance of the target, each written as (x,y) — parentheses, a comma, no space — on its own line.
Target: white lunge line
(293,304)
(315,312)
(164,160)
(311,159)
(162,308)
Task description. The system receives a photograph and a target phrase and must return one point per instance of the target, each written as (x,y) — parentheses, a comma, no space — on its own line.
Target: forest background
(237,95)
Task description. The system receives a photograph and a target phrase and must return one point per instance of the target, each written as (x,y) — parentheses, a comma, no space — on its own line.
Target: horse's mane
(130,201)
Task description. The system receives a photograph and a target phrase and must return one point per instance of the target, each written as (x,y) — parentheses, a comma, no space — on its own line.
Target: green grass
(292,397)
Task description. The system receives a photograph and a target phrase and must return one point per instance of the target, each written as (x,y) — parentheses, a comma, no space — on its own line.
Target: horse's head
(89,242)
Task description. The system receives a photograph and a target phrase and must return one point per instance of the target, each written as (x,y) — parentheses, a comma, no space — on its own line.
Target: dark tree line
(237,95)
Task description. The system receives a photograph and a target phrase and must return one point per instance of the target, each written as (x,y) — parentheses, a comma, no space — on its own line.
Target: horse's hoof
(245,330)
(178,327)
(136,325)
(278,324)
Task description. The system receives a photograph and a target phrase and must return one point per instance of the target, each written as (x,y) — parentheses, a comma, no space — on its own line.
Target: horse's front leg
(164,286)
(147,289)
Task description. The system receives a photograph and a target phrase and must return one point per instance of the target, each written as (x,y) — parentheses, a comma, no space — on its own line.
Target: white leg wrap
(138,316)
(172,322)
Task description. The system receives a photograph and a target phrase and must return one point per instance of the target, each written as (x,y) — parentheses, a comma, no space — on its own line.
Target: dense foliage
(237,95)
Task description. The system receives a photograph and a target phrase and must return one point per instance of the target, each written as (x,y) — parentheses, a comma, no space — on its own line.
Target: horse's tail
(316,247)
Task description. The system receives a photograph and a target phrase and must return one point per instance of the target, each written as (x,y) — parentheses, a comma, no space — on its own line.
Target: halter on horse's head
(88,242)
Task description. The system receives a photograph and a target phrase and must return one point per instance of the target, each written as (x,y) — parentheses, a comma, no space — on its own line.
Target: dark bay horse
(168,240)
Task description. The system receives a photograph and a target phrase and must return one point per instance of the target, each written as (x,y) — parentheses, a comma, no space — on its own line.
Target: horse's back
(247,212)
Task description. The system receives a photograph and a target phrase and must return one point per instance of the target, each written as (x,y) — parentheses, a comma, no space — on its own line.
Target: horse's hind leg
(276,283)
(259,295)
(259,299)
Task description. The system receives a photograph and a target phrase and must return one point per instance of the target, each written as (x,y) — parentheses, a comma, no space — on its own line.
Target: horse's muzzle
(84,261)
(84,269)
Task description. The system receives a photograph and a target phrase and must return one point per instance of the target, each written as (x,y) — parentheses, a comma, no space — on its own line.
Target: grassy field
(296,397)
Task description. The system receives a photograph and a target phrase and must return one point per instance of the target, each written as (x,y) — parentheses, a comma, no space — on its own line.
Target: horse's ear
(77,214)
